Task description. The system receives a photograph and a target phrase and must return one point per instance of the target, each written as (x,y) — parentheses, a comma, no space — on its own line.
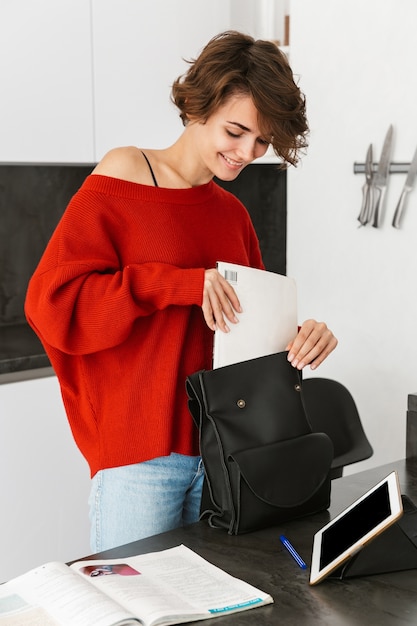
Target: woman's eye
(229,132)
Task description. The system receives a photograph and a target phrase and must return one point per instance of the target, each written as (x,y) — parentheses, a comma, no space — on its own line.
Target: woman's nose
(251,149)
(247,150)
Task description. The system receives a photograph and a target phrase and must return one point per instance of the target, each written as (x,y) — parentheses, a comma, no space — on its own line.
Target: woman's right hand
(220,302)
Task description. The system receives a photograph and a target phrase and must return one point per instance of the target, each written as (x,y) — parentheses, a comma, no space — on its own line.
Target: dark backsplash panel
(263,190)
(33,199)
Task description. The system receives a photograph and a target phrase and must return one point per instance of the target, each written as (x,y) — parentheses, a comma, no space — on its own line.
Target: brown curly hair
(233,62)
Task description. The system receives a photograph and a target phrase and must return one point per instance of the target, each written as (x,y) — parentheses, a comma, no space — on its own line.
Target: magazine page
(53,595)
(171,587)
(269,315)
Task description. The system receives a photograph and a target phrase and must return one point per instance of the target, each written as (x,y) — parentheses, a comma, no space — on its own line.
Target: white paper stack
(269,315)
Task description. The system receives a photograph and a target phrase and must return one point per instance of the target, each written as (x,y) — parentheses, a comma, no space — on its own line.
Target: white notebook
(269,315)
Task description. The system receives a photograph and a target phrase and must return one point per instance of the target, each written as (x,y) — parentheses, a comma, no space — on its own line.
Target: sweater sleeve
(80,310)
(81,299)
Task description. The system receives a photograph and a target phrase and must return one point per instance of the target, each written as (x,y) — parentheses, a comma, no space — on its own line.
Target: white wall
(356,65)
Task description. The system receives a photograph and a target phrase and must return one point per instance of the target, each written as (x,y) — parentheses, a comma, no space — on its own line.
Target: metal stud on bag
(241,404)
(297,387)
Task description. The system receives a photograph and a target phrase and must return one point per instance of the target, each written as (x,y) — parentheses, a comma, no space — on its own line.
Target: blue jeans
(136,501)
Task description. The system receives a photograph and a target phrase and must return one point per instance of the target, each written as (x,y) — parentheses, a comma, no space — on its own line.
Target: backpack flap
(300,466)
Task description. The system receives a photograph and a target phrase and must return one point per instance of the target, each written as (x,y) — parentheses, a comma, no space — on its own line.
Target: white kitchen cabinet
(82,76)
(44,480)
(46,105)
(139,46)
(139,49)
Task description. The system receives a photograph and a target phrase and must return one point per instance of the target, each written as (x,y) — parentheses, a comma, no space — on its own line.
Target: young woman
(126,296)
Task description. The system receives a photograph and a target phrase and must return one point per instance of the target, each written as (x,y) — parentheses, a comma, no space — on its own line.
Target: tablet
(356,526)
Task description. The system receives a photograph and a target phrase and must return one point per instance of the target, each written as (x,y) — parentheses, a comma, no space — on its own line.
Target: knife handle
(366,200)
(379,206)
(399,210)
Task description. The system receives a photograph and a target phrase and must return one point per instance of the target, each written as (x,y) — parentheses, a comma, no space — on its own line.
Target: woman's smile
(231,162)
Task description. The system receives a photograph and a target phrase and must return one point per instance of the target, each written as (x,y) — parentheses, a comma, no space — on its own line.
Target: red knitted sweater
(116,301)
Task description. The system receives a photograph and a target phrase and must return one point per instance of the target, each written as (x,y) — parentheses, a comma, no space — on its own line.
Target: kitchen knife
(364,215)
(381,178)
(408,185)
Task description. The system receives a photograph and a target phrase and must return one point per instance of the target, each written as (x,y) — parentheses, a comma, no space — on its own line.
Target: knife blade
(408,185)
(381,177)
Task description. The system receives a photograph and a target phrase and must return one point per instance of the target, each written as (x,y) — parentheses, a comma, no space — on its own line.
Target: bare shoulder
(126,163)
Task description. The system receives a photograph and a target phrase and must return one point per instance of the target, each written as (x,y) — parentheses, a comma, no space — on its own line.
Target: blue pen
(297,558)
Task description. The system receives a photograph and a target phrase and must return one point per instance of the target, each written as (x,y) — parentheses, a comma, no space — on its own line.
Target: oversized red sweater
(116,301)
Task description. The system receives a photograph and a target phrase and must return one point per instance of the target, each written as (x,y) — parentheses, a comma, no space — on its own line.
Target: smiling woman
(126,296)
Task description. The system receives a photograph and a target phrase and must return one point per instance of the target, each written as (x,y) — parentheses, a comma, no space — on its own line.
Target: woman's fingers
(314,342)
(220,302)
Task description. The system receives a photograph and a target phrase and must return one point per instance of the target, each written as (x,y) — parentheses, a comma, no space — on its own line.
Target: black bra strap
(150,168)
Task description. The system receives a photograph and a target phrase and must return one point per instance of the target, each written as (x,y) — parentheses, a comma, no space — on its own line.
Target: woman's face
(230,139)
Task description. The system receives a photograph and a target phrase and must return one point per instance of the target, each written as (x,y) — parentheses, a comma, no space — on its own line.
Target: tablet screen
(357,522)
(377,509)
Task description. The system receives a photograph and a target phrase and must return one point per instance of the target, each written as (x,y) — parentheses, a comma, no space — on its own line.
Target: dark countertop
(21,354)
(259,559)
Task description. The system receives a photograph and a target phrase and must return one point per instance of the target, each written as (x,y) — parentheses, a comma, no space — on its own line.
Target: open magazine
(168,587)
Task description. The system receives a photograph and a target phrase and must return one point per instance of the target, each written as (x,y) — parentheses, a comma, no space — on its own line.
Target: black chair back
(331,409)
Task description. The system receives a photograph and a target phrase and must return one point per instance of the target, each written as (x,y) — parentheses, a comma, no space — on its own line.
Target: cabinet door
(45,482)
(139,50)
(46,111)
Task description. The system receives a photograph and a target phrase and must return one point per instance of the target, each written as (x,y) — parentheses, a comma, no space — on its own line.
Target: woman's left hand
(312,345)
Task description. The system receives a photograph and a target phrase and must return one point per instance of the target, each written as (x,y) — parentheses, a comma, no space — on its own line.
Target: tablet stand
(393,550)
